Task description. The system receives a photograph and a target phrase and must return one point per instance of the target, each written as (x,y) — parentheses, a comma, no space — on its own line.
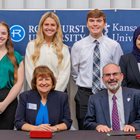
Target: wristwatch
(57,128)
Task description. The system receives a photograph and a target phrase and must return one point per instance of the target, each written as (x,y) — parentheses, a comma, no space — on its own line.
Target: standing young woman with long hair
(48,49)
(11,78)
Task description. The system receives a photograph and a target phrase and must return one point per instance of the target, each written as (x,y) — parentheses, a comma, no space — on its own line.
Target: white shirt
(120,106)
(49,58)
(139,66)
(82,58)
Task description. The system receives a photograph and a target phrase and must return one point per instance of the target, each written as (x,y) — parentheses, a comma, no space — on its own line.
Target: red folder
(40,134)
(137,136)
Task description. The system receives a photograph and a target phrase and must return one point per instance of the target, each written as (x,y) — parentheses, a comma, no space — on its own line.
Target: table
(64,135)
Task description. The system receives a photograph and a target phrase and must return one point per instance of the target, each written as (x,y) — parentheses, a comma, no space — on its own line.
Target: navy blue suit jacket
(29,104)
(98,109)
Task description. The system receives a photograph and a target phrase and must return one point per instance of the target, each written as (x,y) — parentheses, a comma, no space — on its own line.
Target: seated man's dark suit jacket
(98,109)
(29,104)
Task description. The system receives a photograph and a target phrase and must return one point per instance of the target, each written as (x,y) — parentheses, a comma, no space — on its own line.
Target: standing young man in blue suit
(100,106)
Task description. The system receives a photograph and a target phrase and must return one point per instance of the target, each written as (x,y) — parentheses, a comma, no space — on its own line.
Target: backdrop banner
(24,24)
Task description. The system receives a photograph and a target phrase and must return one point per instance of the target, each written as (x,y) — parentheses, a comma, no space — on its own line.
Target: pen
(121,134)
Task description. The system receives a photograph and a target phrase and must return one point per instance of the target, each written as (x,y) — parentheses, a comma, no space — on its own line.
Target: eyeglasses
(115,74)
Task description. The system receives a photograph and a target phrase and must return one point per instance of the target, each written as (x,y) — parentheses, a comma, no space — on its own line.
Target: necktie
(96,69)
(115,115)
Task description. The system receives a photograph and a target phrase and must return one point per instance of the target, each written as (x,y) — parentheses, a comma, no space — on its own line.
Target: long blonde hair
(57,39)
(10,51)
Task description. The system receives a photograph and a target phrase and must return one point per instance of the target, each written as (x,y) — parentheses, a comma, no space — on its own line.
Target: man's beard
(113,87)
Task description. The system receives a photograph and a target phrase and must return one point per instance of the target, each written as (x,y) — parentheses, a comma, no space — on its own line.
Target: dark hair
(96,13)
(10,50)
(42,70)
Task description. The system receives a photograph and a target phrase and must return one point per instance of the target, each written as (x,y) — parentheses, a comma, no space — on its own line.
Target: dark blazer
(129,67)
(29,104)
(98,109)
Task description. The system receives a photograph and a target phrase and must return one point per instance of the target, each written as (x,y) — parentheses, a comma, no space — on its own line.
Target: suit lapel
(105,107)
(127,99)
(134,67)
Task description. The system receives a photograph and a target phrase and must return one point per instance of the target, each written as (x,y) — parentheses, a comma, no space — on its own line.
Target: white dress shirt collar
(117,94)
(92,39)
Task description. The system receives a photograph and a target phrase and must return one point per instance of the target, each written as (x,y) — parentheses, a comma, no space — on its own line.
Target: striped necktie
(96,68)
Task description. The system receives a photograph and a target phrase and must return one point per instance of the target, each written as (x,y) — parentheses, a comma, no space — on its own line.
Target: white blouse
(49,58)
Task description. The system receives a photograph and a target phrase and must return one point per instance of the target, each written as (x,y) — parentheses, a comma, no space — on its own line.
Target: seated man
(114,108)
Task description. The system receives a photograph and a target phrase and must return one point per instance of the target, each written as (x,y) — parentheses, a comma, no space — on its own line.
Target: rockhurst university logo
(17,33)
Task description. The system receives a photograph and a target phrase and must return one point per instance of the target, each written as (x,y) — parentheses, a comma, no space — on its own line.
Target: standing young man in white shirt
(82,60)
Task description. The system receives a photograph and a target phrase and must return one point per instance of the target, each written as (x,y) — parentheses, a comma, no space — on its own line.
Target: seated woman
(43,108)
